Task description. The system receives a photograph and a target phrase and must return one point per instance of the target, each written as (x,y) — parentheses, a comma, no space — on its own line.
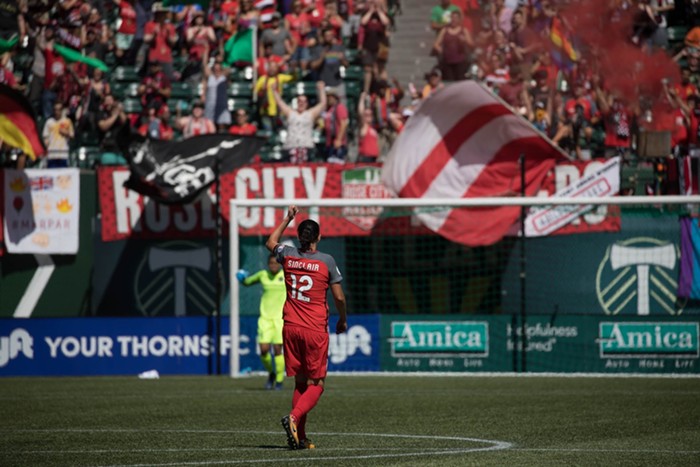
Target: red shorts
(305,352)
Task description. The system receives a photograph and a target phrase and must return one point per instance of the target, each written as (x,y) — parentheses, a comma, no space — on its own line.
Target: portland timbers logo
(638,276)
(363,183)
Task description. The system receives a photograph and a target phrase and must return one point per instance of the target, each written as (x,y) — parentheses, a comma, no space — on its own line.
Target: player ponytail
(308,232)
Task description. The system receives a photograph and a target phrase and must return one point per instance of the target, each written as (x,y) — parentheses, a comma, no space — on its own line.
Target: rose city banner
(127,214)
(41,211)
(577,179)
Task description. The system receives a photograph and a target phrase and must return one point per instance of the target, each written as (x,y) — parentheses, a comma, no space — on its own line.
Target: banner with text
(578,180)
(564,344)
(127,214)
(41,211)
(124,346)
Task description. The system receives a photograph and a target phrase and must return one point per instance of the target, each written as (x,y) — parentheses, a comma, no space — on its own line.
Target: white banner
(604,181)
(42,209)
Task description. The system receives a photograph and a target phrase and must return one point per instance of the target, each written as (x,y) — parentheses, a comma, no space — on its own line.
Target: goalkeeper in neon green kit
(270,321)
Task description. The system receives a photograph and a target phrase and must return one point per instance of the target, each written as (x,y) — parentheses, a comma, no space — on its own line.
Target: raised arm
(275,236)
(318,108)
(284,108)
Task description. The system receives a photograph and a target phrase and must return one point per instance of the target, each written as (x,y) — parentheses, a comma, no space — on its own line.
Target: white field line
(495,445)
(631,451)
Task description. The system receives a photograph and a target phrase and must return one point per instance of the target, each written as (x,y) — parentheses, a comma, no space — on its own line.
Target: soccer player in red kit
(308,275)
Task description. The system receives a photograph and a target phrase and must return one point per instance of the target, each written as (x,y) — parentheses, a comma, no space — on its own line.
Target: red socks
(302,403)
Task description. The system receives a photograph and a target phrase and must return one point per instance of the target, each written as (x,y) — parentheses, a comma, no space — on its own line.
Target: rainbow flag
(18,127)
(689,277)
(564,53)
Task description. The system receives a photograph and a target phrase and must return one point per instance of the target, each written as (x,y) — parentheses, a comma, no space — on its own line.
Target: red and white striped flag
(267,10)
(463,142)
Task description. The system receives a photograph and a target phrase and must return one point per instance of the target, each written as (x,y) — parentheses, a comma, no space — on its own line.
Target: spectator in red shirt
(336,123)
(522,40)
(452,46)
(155,87)
(195,124)
(582,99)
(156,125)
(241,125)
(297,23)
(71,87)
(161,36)
(55,67)
(124,37)
(374,44)
(368,146)
(514,92)
(331,18)
(685,88)
(691,111)
(200,39)
(266,58)
(618,122)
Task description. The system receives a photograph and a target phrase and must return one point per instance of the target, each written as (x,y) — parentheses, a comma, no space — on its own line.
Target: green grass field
(360,420)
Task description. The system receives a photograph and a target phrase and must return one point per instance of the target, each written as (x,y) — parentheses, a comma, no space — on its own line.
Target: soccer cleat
(278,386)
(306,444)
(290,427)
(270,381)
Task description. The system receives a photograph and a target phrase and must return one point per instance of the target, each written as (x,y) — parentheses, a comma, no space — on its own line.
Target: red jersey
(160,50)
(128,16)
(247,129)
(307,275)
(369,143)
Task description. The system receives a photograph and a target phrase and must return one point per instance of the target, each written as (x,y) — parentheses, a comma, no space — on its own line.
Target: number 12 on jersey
(299,287)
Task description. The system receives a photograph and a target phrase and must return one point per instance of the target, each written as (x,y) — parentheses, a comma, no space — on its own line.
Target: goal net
(593,286)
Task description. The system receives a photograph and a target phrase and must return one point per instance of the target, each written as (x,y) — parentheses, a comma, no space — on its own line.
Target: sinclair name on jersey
(308,266)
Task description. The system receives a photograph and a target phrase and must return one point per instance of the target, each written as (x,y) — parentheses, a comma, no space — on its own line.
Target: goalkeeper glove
(241,275)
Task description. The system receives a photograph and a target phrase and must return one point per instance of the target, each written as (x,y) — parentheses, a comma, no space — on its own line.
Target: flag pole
(523,271)
(217,253)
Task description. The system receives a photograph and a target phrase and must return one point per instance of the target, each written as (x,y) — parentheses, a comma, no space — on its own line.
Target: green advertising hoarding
(565,343)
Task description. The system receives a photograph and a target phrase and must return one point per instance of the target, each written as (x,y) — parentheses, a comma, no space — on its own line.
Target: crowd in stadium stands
(319,87)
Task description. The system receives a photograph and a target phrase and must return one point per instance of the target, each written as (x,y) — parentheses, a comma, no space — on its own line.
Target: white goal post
(236,205)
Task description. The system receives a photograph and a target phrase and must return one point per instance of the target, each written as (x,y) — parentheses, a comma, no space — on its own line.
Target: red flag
(18,127)
(463,142)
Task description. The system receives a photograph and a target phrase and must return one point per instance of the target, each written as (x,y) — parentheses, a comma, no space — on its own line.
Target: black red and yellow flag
(18,127)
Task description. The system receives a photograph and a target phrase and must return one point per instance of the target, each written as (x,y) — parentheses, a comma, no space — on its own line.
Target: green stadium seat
(118,89)
(676,33)
(300,88)
(179,62)
(88,138)
(241,89)
(353,72)
(353,56)
(132,90)
(181,91)
(185,106)
(235,103)
(353,89)
(85,157)
(110,59)
(242,74)
(126,74)
(132,105)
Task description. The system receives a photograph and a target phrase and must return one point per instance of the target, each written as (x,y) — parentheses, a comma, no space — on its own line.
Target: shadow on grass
(271,447)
